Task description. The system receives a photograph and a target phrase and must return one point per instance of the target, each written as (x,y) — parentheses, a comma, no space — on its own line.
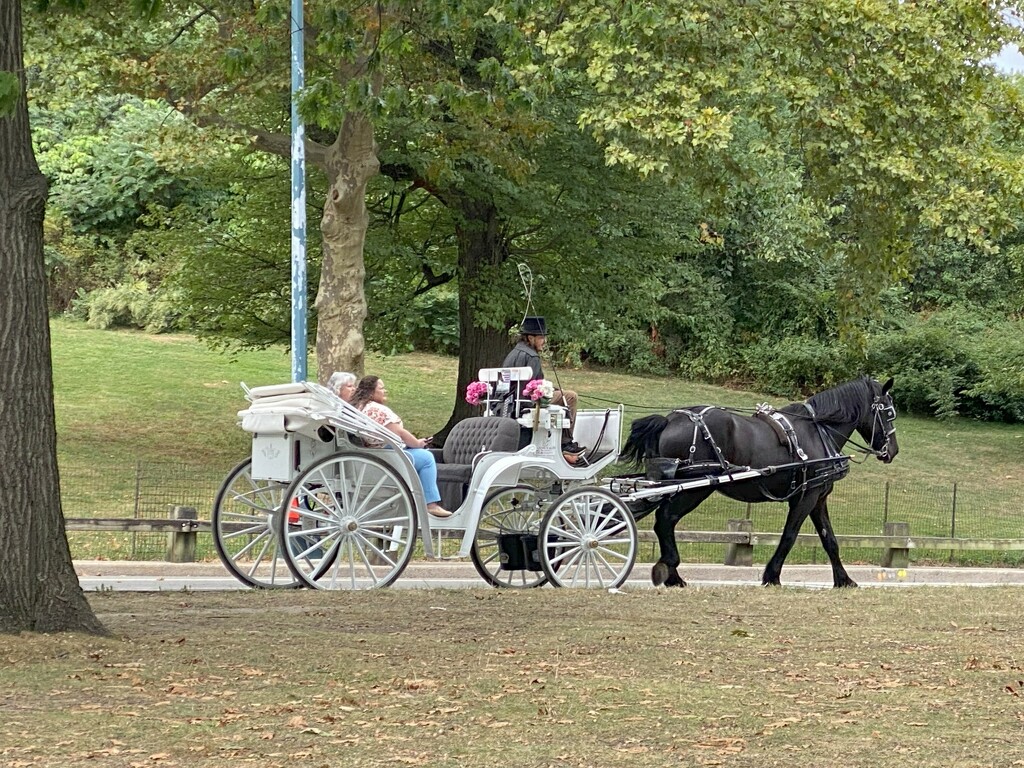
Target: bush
(798,365)
(998,393)
(127,305)
(955,362)
(629,348)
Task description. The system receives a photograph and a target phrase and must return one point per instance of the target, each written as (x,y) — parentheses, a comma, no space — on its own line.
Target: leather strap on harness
(699,427)
(783,428)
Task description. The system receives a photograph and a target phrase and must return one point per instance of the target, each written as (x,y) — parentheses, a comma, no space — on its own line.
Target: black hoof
(847,584)
(662,574)
(675,580)
(767,580)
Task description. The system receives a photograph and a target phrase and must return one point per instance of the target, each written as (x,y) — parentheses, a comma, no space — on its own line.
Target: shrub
(798,365)
(955,362)
(126,305)
(998,393)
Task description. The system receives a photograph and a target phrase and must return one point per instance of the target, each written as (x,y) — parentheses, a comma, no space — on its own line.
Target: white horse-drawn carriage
(315,506)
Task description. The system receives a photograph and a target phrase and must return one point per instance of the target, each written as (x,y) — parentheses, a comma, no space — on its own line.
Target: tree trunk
(39,590)
(341,299)
(481,252)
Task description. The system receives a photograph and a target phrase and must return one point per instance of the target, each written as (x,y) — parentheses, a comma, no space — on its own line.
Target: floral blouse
(383,416)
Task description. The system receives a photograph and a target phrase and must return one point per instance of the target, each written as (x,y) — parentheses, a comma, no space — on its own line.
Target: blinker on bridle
(884,416)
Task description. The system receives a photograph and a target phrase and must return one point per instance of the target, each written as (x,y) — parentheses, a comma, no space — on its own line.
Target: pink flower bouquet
(539,390)
(476,392)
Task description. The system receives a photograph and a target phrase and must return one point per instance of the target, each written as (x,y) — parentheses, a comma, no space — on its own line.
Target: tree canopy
(723,150)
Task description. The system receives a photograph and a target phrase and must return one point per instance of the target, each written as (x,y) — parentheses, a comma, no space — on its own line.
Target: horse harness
(783,428)
(806,473)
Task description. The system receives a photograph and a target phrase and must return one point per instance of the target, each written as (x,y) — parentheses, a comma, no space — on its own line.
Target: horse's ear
(887,386)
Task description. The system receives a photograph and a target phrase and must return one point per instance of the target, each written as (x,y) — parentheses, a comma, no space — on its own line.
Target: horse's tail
(643,438)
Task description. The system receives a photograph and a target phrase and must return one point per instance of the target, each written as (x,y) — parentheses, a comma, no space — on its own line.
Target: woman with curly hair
(371,397)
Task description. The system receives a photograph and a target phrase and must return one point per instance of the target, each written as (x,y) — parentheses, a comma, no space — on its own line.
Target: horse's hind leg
(823,525)
(669,513)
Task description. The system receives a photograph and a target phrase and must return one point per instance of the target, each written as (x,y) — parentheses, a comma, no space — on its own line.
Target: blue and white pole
(299,299)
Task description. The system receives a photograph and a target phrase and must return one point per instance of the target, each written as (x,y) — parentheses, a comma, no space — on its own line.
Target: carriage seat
(468,439)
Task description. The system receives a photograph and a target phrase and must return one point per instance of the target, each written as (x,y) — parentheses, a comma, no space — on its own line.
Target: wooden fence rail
(896,542)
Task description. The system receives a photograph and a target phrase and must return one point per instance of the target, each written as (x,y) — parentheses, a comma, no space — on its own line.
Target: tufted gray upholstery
(465,441)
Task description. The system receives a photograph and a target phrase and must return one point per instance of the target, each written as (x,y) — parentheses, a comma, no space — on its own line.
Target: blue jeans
(426,468)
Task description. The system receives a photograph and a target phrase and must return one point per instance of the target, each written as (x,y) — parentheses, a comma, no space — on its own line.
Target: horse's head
(879,429)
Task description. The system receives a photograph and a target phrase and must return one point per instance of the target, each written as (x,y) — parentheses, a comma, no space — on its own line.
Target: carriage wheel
(245,532)
(351,523)
(588,539)
(507,536)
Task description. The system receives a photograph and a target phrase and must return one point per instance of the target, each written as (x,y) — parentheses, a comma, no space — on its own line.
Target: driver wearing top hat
(533,335)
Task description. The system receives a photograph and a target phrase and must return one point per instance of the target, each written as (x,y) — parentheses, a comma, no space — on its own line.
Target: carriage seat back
(468,439)
(479,434)
(505,391)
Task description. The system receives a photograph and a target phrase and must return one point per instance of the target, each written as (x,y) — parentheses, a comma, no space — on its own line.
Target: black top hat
(533,326)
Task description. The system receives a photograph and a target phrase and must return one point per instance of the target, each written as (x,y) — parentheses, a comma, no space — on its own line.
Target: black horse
(798,446)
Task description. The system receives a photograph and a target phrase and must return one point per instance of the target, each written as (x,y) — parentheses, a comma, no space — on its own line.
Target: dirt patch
(727,677)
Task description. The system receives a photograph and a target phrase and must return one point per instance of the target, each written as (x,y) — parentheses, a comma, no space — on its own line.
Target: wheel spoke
(268,546)
(356,526)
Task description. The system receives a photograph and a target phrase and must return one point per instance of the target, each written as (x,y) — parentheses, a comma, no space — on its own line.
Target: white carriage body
(294,425)
(334,493)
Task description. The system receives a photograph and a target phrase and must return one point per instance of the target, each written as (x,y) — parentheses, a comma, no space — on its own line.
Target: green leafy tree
(887,111)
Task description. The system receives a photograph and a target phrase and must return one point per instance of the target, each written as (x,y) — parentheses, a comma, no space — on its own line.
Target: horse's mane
(843,404)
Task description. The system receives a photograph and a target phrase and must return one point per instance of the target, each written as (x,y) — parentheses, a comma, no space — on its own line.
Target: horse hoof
(848,584)
(675,581)
(771,583)
(659,574)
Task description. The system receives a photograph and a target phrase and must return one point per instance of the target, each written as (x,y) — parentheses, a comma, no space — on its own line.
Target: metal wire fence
(145,490)
(857,506)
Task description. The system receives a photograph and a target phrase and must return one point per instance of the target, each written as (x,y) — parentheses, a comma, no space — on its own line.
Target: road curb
(430,571)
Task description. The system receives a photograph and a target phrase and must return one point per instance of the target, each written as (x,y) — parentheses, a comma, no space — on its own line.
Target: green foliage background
(722,266)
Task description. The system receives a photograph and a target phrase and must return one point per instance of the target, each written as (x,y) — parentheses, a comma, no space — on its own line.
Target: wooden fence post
(740,554)
(896,557)
(181,545)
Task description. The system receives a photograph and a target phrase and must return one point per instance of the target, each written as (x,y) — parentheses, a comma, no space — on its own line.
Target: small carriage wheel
(509,519)
(350,523)
(588,539)
(244,530)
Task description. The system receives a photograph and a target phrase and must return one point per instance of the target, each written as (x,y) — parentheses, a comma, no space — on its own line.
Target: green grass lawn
(126,401)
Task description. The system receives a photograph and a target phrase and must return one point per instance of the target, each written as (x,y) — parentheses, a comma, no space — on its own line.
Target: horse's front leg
(823,525)
(669,513)
(798,511)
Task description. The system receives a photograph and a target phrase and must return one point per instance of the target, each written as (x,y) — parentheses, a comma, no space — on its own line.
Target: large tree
(887,112)
(39,590)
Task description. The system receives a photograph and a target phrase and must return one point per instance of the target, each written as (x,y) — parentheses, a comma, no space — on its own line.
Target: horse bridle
(884,415)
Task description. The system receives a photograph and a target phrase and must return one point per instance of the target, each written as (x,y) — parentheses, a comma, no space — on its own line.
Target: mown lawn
(741,677)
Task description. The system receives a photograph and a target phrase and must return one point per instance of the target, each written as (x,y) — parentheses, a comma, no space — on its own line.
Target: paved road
(133,576)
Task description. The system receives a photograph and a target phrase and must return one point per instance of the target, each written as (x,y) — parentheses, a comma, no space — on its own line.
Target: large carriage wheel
(505,545)
(588,539)
(245,531)
(351,523)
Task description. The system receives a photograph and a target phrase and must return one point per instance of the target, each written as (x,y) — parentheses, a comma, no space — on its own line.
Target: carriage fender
(265,423)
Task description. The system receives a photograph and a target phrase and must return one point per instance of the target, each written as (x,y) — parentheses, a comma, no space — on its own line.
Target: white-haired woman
(343,384)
